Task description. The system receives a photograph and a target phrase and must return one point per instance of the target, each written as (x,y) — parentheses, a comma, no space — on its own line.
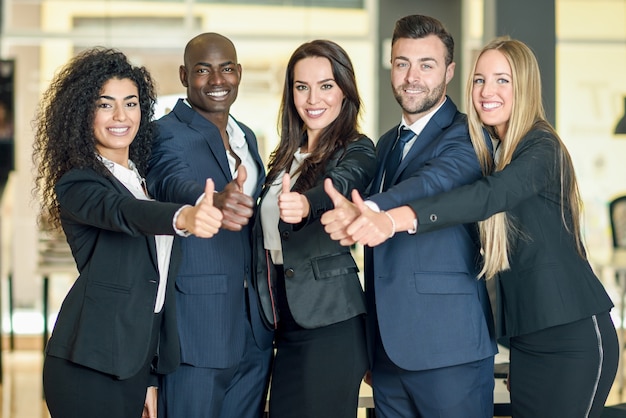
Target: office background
(581,46)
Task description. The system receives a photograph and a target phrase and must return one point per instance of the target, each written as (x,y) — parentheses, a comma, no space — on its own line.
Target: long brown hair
(292,130)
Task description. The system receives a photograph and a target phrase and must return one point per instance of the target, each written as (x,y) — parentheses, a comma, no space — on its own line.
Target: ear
(450,72)
(240,70)
(182,74)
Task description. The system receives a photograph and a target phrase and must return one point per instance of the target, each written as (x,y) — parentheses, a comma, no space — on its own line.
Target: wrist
(393,224)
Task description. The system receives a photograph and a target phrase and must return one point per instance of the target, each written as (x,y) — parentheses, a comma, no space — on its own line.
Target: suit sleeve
(354,170)
(452,165)
(533,168)
(168,178)
(89,199)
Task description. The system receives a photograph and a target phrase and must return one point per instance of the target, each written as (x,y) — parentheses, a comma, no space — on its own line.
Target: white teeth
(315,112)
(491,105)
(217,93)
(118,130)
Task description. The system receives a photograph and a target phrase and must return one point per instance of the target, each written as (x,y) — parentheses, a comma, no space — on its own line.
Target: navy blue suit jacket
(211,300)
(431,309)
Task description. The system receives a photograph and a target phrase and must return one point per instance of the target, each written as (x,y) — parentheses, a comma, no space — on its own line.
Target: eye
(503,81)
(479,81)
(301,87)
(228,69)
(427,66)
(327,86)
(401,64)
(202,70)
(132,104)
(103,106)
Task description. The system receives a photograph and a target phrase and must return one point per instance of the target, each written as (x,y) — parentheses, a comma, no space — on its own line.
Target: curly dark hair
(64,133)
(335,136)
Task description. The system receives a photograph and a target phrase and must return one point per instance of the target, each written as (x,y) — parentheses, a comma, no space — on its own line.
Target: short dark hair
(420,26)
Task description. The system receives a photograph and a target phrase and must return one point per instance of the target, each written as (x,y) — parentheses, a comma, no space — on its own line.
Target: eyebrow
(222,64)
(132,96)
(317,82)
(424,59)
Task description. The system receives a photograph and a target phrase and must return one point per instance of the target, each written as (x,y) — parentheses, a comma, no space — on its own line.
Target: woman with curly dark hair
(92,142)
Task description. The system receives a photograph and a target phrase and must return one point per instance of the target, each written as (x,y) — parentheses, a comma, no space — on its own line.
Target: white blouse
(269,209)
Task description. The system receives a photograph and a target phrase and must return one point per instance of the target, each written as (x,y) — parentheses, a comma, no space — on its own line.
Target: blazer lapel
(150,240)
(208,131)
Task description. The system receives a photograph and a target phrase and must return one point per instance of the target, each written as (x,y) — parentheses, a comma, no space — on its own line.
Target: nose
(412,73)
(312,99)
(119,114)
(486,89)
(216,77)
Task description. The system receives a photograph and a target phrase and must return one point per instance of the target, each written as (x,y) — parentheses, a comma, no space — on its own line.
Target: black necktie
(395,156)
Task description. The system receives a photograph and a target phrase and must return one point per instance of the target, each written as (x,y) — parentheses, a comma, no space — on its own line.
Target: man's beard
(423,105)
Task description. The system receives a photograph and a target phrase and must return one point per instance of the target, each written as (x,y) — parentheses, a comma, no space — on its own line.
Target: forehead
(119,87)
(312,69)
(414,49)
(493,61)
(212,52)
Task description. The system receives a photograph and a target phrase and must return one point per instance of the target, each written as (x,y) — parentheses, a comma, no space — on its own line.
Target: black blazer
(106,319)
(548,283)
(321,277)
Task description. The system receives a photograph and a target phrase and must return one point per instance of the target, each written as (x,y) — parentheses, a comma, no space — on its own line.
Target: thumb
(336,197)
(242,175)
(358,200)
(286,183)
(209,189)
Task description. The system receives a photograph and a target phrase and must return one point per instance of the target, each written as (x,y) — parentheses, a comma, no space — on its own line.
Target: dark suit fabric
(214,323)
(550,295)
(107,322)
(319,362)
(548,283)
(424,299)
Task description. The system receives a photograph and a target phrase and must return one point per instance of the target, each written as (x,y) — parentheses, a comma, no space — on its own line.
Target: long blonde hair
(498,231)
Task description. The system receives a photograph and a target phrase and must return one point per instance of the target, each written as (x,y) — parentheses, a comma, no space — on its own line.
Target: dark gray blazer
(105,321)
(549,283)
(321,277)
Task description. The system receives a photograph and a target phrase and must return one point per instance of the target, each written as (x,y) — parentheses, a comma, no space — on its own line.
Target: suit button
(433,217)
(289,273)
(284,235)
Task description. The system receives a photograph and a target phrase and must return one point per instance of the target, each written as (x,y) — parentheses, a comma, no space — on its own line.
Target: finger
(242,175)
(357,199)
(286,183)
(336,197)
(209,189)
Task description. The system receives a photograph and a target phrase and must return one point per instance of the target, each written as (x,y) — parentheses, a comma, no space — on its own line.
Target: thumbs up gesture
(236,206)
(204,219)
(337,220)
(293,206)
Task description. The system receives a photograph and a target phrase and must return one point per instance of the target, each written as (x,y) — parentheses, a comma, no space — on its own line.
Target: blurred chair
(617,216)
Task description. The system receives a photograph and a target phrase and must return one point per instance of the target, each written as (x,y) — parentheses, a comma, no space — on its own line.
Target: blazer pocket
(202,284)
(444,283)
(112,287)
(333,265)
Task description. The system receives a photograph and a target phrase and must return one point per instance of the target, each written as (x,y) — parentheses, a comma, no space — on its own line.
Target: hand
(236,206)
(204,219)
(293,206)
(150,405)
(370,228)
(337,220)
